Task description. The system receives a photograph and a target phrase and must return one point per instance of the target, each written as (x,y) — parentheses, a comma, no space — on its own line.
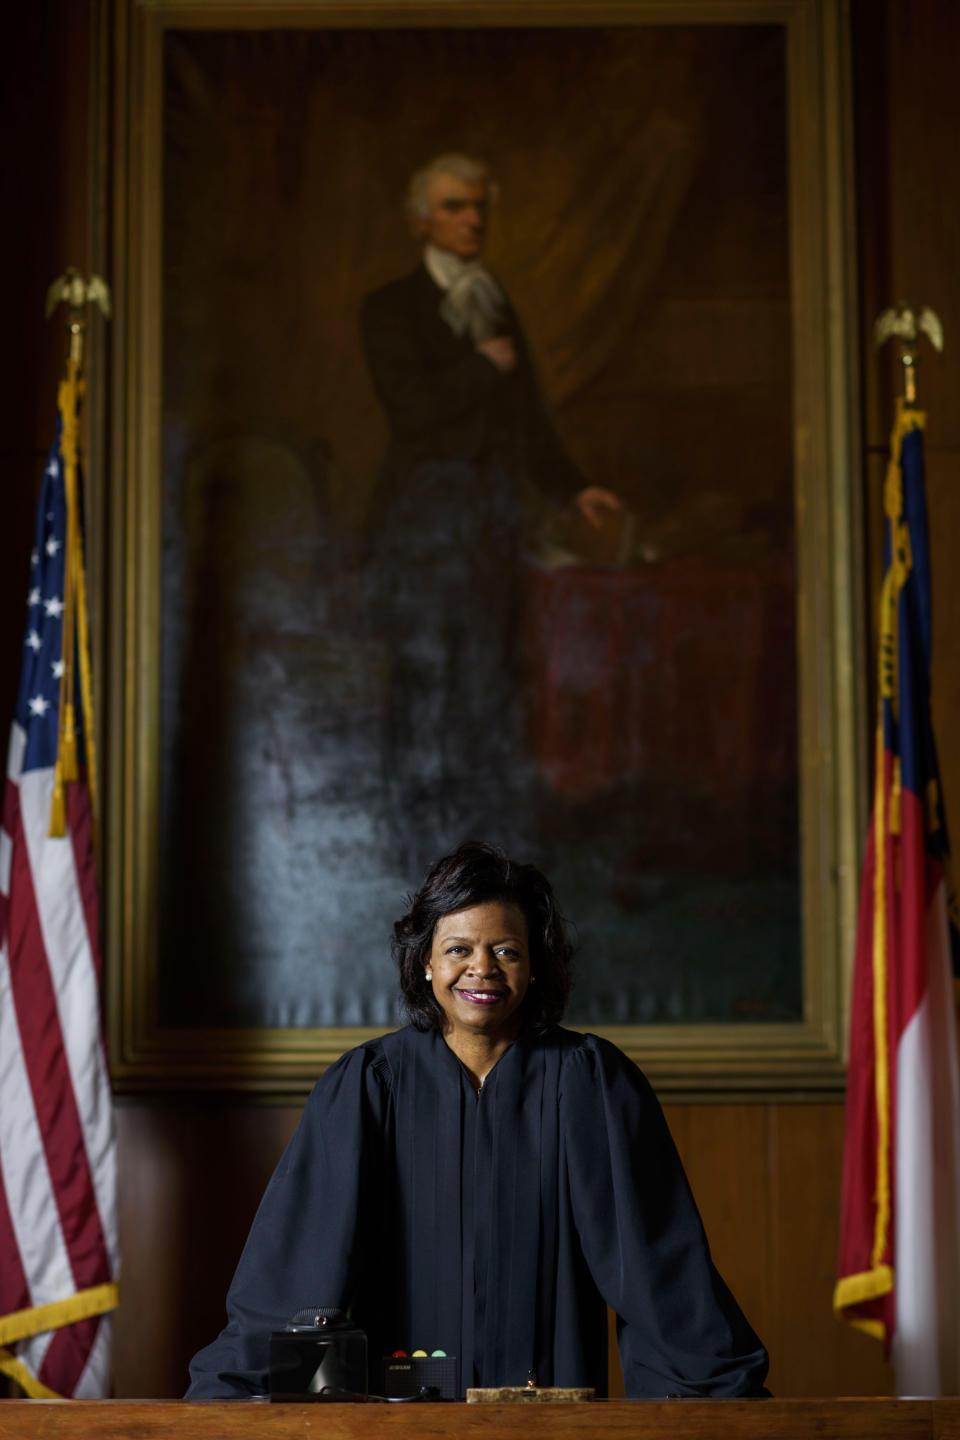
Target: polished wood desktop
(834,1419)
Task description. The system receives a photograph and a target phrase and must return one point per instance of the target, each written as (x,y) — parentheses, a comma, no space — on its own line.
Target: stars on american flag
(38,702)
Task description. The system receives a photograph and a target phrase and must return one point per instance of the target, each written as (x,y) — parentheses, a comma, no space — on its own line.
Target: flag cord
(76,637)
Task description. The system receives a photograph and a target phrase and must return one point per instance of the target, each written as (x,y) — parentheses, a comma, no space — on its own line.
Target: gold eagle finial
(902,323)
(72,290)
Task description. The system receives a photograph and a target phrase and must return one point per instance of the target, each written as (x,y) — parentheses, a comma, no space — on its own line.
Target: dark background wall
(767,1177)
(44,109)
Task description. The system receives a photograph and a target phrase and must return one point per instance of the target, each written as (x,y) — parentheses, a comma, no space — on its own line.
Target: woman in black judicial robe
(484,1182)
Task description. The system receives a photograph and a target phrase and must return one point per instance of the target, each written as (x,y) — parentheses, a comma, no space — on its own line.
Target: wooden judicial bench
(853,1419)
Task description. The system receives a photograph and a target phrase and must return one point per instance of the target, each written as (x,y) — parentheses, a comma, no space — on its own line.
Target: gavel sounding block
(507,1394)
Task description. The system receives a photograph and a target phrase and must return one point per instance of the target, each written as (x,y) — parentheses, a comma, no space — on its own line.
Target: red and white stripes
(926,1342)
(57,1154)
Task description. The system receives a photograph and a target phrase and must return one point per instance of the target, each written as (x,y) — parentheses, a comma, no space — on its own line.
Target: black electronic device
(320,1355)
(409,1377)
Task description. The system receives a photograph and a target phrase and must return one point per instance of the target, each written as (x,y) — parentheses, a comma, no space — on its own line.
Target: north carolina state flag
(899,1264)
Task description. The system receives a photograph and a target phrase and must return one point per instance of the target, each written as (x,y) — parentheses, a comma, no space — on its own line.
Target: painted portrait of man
(472,447)
(478,507)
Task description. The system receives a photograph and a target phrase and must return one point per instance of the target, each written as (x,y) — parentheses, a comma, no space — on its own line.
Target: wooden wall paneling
(615,1385)
(724,1149)
(943,502)
(815,1353)
(191,1178)
(923,106)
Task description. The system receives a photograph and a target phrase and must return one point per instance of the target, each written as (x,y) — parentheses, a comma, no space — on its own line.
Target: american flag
(58,1249)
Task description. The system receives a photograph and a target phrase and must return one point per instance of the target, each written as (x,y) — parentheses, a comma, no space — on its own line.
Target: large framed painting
(335,655)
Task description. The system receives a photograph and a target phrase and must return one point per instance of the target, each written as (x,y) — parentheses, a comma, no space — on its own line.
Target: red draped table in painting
(680,671)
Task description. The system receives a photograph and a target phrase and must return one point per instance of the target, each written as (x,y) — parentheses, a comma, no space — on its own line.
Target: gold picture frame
(682,1060)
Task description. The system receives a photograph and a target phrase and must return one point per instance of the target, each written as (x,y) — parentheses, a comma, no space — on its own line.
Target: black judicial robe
(495,1228)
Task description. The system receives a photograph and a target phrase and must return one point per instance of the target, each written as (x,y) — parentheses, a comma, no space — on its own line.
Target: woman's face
(480,958)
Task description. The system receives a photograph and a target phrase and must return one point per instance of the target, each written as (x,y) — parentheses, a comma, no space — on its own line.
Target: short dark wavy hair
(473,875)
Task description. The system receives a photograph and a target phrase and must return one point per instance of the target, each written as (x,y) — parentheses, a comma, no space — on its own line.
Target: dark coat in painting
(471,449)
(445,401)
(497,1228)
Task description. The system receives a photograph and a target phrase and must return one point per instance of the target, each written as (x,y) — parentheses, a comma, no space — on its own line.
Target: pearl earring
(428,974)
